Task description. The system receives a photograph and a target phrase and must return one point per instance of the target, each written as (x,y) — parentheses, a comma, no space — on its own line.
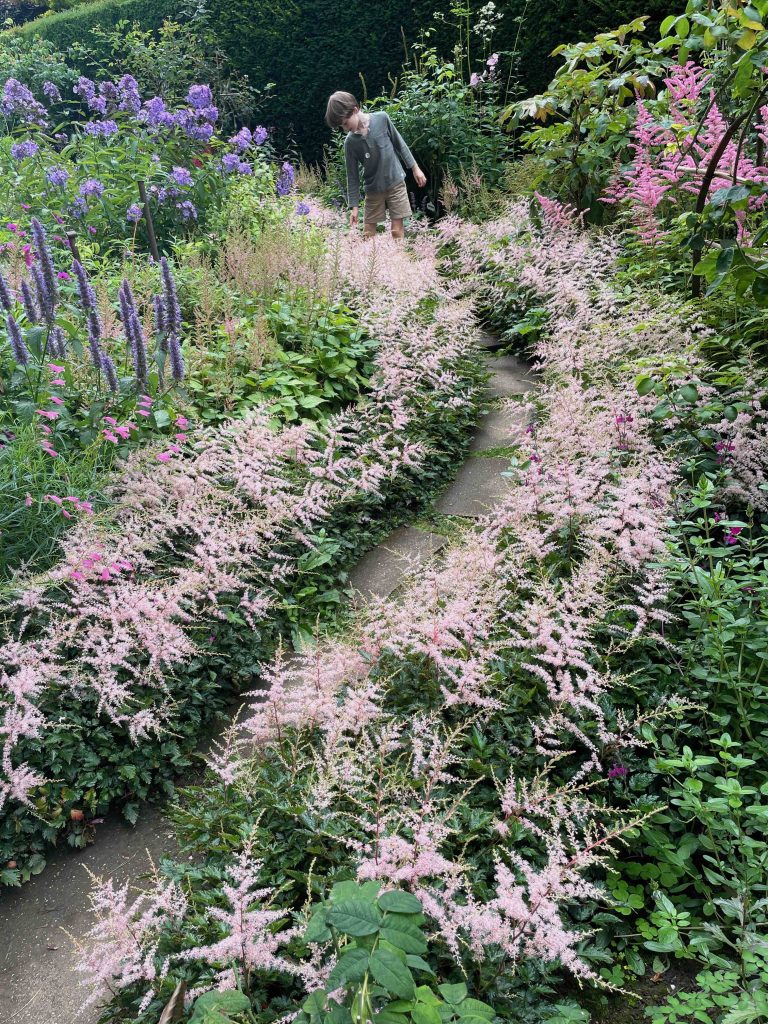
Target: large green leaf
(392,973)
(453,994)
(398,902)
(404,935)
(350,967)
(355,917)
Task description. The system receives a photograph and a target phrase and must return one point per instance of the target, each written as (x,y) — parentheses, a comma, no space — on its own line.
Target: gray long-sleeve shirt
(382,152)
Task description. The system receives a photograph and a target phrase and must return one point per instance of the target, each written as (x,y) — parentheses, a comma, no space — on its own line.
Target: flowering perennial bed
(462,743)
(107,673)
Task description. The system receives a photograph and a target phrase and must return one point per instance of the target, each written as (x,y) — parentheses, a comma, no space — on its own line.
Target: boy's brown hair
(340,106)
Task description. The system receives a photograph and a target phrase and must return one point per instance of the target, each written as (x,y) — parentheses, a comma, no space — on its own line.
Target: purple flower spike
(134,333)
(57,343)
(6,299)
(28,301)
(20,351)
(110,373)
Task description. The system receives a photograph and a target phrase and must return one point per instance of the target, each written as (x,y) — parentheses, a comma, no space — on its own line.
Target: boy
(373,141)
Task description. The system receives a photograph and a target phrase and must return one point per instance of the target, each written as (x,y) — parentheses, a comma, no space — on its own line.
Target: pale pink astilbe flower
(302,691)
(559,217)
(250,940)
(121,949)
(27,669)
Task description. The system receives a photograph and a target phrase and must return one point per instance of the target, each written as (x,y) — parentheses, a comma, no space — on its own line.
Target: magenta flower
(732,534)
(617,771)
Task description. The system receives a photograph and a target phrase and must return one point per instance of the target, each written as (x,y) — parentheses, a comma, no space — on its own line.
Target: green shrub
(77,25)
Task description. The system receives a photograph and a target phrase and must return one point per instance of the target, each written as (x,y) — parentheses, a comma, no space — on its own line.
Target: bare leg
(398,229)
(369,230)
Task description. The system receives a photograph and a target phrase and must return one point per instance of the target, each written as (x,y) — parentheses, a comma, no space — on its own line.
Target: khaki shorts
(395,200)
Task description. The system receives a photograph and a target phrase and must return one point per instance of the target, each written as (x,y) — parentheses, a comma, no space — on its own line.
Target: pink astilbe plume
(249,942)
(121,949)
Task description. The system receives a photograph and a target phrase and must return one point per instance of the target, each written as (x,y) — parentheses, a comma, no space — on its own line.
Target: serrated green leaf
(423,1014)
(453,994)
(350,967)
(476,1008)
(355,917)
(404,935)
(391,973)
(398,902)
(419,965)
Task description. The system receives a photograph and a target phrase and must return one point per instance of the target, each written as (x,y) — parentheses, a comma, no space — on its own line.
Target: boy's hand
(354,216)
(419,176)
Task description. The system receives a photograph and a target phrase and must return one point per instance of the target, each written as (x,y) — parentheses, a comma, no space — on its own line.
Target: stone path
(38,981)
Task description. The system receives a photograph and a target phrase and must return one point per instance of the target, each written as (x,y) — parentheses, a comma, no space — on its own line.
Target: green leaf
(315,1004)
(453,994)
(760,291)
(404,935)
(311,401)
(689,393)
(476,1008)
(350,967)
(161,417)
(392,974)
(423,1014)
(419,965)
(221,1002)
(355,917)
(645,385)
(398,902)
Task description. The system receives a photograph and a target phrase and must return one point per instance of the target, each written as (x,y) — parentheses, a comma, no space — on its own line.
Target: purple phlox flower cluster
(86,90)
(230,162)
(128,94)
(45,274)
(22,150)
(79,208)
(617,771)
(492,61)
(196,120)
(57,176)
(187,209)
(51,92)
(101,129)
(163,194)
(19,102)
(259,135)
(286,179)
(242,140)
(156,115)
(20,350)
(91,187)
(61,139)
(200,97)
(303,208)
(181,176)
(134,213)
(171,319)
(134,332)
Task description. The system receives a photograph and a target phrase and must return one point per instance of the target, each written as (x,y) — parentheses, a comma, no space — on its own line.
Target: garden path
(38,980)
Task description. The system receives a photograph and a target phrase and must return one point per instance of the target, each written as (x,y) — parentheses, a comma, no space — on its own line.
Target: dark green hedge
(76,25)
(308,48)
